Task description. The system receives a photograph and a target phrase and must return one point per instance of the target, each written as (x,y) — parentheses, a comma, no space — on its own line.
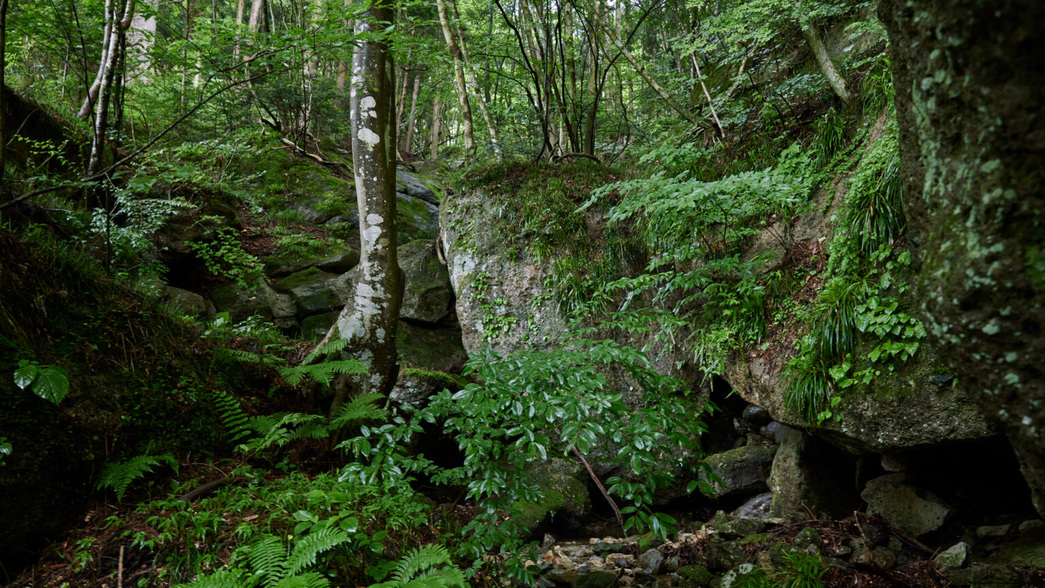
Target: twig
(119,570)
(602,489)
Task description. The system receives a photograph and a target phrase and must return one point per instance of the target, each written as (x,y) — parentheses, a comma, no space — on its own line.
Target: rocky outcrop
(970,88)
(502,301)
(913,407)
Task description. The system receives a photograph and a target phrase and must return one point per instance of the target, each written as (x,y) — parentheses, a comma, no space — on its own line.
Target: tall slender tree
(370,319)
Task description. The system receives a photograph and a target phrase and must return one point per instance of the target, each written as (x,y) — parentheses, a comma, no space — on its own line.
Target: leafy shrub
(119,475)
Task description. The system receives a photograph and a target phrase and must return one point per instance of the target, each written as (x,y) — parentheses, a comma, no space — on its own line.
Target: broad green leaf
(25,375)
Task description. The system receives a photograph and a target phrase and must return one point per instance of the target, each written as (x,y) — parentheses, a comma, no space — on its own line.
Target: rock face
(970,89)
(501,298)
(908,409)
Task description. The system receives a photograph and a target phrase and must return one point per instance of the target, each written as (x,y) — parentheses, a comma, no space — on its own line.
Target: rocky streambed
(861,550)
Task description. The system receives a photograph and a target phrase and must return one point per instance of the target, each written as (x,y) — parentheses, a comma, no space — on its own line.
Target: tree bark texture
(369,321)
(970,92)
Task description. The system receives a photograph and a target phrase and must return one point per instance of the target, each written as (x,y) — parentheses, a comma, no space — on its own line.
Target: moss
(438,380)
(301,278)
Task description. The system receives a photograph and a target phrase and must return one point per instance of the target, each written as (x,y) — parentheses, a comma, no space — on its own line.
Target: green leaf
(51,384)
(25,375)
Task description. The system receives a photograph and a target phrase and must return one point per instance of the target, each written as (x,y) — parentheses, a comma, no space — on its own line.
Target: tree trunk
(473,82)
(435,128)
(408,143)
(370,320)
(459,83)
(118,20)
(827,66)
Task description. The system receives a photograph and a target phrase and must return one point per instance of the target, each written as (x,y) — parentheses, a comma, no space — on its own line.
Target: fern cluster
(428,566)
(118,475)
(274,565)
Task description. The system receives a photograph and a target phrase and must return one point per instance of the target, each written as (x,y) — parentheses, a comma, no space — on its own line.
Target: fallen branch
(205,488)
(602,489)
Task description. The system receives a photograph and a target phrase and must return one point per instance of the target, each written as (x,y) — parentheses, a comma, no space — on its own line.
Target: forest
(551,293)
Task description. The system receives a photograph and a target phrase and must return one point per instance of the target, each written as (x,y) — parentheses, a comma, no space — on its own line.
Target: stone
(410,185)
(757,508)
(414,387)
(696,576)
(427,294)
(914,510)
(596,579)
(317,326)
(650,561)
(417,219)
(434,348)
(806,476)
(756,415)
(501,296)
(340,263)
(740,471)
(807,539)
(953,557)
(241,303)
(188,303)
(565,502)
(992,531)
(731,529)
(315,291)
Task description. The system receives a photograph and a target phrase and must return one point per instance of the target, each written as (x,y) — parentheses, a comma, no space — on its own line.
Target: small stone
(549,541)
(1031,525)
(953,557)
(650,561)
(893,463)
(807,539)
(992,531)
(756,415)
(673,563)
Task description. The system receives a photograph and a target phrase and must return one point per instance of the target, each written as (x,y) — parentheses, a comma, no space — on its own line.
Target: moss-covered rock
(969,99)
(415,386)
(427,295)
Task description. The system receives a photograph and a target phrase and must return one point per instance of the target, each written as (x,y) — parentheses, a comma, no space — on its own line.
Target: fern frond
(360,409)
(335,345)
(219,579)
(451,577)
(119,475)
(233,418)
(248,356)
(310,546)
(309,580)
(278,429)
(321,372)
(419,560)
(268,558)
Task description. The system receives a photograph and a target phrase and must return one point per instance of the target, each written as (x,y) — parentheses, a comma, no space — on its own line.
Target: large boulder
(315,291)
(740,471)
(970,90)
(502,301)
(427,295)
(914,407)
